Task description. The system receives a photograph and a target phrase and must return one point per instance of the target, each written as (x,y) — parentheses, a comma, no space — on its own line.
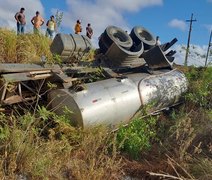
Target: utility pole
(209,45)
(189,36)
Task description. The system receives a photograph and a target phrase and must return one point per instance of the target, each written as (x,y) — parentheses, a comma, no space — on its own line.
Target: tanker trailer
(115,101)
(134,81)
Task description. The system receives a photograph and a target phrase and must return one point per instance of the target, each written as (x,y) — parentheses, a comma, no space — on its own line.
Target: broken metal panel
(18,77)
(171,53)
(12,68)
(155,58)
(164,47)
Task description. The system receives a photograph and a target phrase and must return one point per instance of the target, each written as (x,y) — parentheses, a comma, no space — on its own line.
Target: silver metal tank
(114,101)
(161,90)
(71,47)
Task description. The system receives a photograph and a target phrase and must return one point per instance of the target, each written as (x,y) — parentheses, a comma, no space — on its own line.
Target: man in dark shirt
(21,21)
(89,31)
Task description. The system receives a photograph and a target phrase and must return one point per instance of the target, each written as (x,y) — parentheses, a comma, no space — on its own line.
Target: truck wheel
(140,34)
(117,35)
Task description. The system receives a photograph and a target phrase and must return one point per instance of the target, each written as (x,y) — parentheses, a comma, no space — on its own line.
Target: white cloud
(133,5)
(208,26)
(196,56)
(101,13)
(210,1)
(8,9)
(176,23)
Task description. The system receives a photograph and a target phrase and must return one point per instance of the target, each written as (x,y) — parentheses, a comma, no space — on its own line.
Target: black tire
(117,35)
(103,47)
(140,34)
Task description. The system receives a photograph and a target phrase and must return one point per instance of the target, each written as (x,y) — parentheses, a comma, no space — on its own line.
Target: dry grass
(31,148)
(26,48)
(38,149)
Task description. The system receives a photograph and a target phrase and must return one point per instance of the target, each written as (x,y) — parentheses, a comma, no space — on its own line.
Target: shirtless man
(37,22)
(21,21)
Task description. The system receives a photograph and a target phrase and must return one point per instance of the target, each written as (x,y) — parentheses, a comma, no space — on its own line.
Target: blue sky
(156,17)
(165,18)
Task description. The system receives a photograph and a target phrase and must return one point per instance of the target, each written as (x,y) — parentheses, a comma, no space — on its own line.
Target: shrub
(200,87)
(137,136)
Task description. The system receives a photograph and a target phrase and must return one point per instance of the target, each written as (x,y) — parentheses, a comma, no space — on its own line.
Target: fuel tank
(115,101)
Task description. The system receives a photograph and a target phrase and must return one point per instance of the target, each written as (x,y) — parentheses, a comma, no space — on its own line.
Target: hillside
(38,144)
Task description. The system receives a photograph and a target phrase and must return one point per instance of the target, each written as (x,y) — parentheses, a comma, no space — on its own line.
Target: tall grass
(27,48)
(43,145)
(47,147)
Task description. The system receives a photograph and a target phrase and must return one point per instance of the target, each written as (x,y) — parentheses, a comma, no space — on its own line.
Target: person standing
(51,26)
(37,22)
(158,41)
(78,27)
(89,31)
(21,21)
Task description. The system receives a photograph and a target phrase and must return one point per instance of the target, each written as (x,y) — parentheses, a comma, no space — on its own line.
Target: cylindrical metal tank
(62,44)
(107,102)
(161,90)
(114,101)
(70,47)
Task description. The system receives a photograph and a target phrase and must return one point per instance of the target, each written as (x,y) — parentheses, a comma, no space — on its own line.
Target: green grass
(42,145)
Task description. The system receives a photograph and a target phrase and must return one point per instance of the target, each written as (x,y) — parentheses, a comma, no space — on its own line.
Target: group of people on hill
(78,29)
(37,21)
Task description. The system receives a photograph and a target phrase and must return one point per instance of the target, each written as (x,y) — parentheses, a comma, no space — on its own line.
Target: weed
(136,136)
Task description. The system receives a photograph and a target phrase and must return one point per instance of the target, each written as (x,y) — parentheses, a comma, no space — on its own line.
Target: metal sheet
(115,101)
(120,57)
(162,90)
(108,102)
(155,58)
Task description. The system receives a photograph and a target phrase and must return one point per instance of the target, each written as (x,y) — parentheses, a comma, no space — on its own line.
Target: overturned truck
(135,72)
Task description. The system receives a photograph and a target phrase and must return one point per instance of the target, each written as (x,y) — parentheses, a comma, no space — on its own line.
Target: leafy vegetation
(42,145)
(137,136)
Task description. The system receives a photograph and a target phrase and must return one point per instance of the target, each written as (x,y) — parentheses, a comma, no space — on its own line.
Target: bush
(137,136)
(200,87)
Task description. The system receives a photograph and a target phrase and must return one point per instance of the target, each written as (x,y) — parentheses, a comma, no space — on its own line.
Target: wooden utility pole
(209,45)
(189,36)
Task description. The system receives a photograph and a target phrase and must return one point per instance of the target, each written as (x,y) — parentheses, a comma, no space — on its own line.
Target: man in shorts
(37,22)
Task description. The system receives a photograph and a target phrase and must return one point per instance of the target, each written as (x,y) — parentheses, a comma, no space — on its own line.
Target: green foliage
(137,136)
(200,86)
(56,59)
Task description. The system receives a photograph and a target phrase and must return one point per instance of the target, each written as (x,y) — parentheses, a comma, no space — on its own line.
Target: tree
(58,19)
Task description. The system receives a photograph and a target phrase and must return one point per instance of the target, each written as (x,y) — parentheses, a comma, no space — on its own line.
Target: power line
(189,36)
